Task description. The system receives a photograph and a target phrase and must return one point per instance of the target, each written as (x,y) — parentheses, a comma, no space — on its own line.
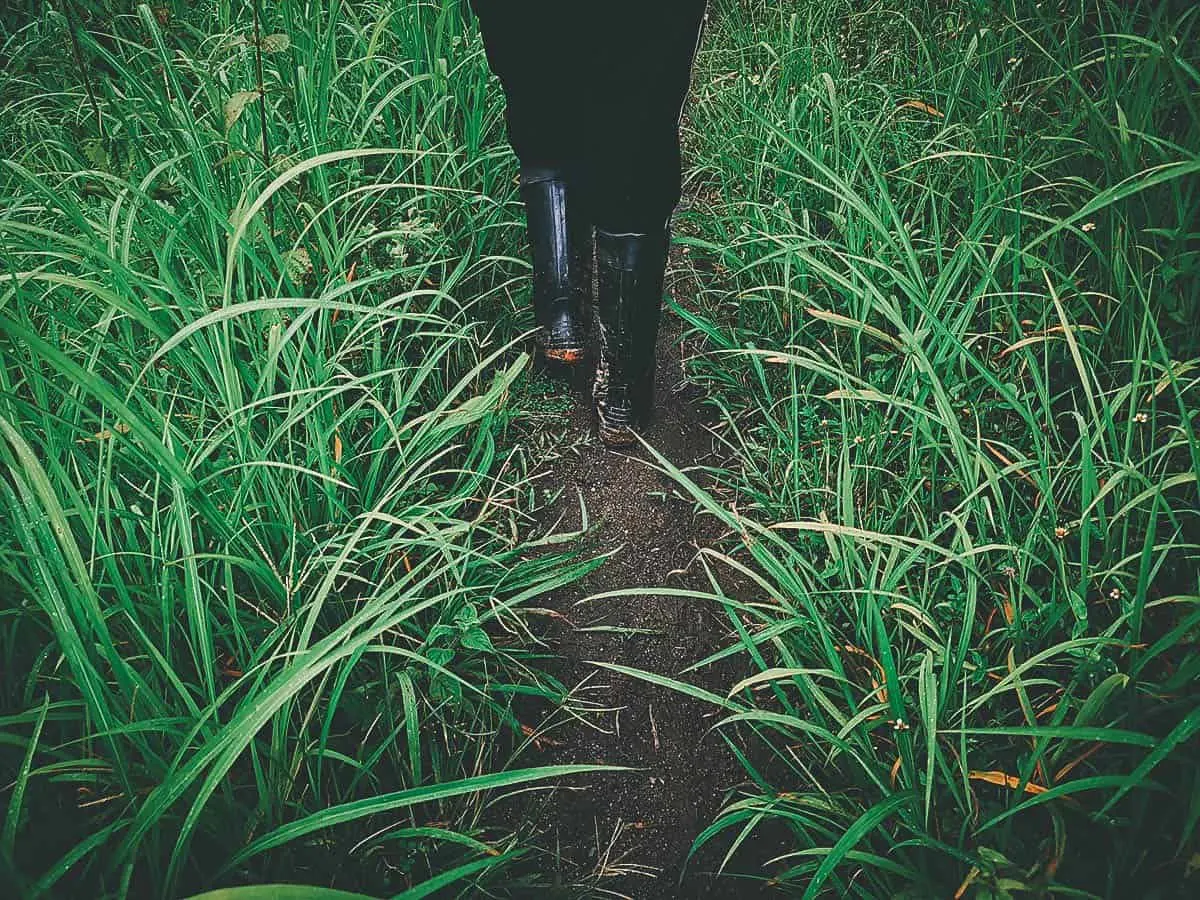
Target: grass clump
(951,332)
(262,609)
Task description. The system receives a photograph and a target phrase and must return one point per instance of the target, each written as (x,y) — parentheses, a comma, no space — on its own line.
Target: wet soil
(630,834)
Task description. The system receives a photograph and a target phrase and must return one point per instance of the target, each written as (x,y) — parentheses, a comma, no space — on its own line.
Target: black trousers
(595,90)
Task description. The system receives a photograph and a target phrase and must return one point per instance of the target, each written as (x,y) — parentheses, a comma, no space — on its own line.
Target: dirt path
(629,835)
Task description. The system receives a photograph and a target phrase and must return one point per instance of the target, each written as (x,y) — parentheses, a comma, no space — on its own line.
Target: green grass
(950,321)
(263,613)
(267,598)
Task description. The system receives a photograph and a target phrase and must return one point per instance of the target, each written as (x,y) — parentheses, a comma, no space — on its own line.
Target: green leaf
(865,824)
(95,153)
(477,639)
(279,892)
(456,874)
(386,803)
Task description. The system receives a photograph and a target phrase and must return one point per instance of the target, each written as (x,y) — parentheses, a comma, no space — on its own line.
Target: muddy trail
(629,834)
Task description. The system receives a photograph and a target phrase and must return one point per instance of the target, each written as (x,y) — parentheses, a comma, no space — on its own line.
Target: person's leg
(641,58)
(642,67)
(528,47)
(531,47)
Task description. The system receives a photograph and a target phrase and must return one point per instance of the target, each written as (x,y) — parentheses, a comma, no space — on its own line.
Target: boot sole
(571,356)
(617,437)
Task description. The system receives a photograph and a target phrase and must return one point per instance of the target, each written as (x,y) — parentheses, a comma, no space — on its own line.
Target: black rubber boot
(629,304)
(560,237)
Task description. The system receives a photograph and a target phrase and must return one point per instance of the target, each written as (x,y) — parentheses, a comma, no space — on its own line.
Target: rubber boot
(560,237)
(631,268)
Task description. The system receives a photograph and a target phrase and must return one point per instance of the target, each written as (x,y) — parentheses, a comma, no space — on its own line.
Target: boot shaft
(560,237)
(561,245)
(631,269)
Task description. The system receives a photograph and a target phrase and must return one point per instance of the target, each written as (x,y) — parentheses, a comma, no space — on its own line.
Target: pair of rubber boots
(628,301)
